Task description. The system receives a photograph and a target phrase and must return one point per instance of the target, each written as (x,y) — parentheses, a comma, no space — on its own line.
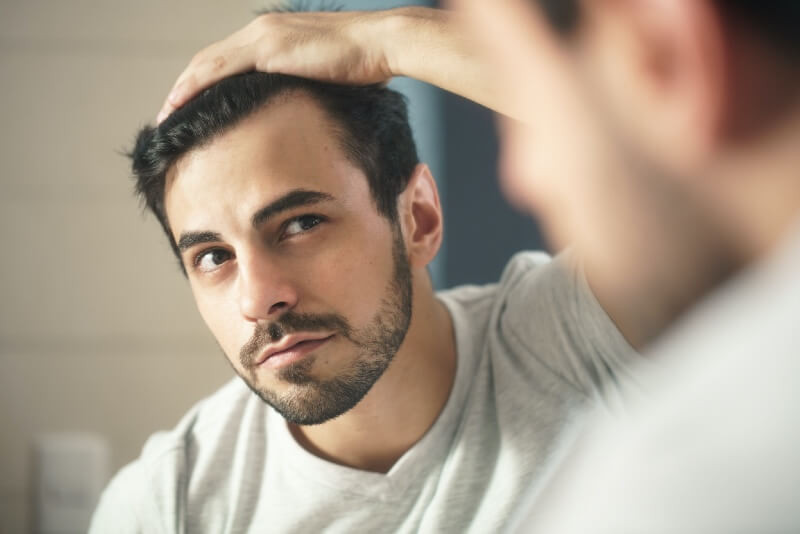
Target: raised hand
(342,47)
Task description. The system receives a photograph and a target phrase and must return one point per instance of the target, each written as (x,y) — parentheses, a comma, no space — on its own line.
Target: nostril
(278,306)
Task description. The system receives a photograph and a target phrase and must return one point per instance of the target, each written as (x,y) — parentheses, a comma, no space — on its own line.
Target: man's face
(305,286)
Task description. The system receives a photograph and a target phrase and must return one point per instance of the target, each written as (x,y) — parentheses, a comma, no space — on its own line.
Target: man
(304,224)
(700,100)
(660,138)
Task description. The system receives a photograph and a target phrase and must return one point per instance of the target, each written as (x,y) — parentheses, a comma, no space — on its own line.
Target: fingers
(204,72)
(236,54)
(327,46)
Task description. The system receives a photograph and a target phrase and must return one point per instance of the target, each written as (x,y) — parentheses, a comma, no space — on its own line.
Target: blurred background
(100,343)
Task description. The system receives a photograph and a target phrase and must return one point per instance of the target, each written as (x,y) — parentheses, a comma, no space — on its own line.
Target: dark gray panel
(482,230)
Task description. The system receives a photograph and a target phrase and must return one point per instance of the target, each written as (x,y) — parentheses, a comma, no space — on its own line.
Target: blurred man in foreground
(690,109)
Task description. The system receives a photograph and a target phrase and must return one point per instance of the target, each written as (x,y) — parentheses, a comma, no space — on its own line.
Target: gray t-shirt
(531,350)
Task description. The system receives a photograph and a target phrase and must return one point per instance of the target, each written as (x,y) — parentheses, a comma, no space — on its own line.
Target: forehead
(287,145)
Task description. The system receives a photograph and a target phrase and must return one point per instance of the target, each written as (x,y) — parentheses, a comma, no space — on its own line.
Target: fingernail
(161,116)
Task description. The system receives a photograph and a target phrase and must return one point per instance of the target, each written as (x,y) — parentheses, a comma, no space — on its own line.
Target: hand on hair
(355,47)
(341,47)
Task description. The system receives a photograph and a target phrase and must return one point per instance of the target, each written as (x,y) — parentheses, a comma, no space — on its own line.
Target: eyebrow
(190,239)
(292,199)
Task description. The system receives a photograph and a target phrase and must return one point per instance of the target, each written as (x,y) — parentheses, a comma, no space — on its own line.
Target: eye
(211,260)
(301,224)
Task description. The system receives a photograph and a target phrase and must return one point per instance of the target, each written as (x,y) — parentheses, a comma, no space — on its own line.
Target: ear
(662,66)
(421,217)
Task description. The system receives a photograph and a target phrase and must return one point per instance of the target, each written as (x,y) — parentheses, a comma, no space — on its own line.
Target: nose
(265,289)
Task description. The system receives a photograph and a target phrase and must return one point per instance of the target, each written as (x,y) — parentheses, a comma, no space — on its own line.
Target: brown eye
(301,224)
(211,260)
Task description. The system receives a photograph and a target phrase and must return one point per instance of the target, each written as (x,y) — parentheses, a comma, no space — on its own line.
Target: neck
(403,404)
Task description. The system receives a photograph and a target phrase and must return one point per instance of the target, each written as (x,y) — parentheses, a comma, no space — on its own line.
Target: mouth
(291,349)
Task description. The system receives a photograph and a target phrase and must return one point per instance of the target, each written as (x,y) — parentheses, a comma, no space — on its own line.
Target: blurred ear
(421,217)
(661,64)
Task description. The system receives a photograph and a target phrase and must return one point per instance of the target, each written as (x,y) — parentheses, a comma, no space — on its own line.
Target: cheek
(350,278)
(221,315)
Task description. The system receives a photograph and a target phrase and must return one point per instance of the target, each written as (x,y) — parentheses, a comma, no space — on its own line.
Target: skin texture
(337,273)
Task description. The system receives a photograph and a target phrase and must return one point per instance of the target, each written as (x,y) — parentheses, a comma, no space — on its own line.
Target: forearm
(433,45)
(351,47)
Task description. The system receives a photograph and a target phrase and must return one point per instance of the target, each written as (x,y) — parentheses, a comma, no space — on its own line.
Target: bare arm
(357,47)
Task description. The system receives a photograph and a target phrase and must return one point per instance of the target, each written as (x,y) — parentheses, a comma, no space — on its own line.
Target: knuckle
(263,22)
(189,84)
(263,64)
(218,63)
(198,57)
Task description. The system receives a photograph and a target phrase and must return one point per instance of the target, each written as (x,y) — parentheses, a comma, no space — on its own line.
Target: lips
(292,347)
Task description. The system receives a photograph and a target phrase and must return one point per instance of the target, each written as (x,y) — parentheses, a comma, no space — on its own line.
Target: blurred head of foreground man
(657,137)
(304,224)
(672,128)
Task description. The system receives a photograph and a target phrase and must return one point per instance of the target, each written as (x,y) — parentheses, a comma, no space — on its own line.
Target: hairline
(335,127)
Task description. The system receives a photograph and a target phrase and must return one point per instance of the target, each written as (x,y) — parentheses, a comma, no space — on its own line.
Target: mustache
(289,323)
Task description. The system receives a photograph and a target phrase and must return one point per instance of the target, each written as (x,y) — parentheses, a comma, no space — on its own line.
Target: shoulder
(544,292)
(525,263)
(542,319)
(206,420)
(122,506)
(538,274)
(532,282)
(480,300)
(151,490)
(201,445)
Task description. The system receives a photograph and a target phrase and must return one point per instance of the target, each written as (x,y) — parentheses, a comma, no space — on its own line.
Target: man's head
(371,124)
(299,213)
(650,130)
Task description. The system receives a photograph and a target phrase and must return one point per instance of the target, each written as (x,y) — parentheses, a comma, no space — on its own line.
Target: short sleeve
(550,314)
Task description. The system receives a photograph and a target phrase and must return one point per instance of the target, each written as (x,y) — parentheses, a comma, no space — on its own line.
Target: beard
(311,401)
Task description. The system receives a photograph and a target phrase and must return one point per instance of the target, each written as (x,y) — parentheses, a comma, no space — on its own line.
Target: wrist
(399,31)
